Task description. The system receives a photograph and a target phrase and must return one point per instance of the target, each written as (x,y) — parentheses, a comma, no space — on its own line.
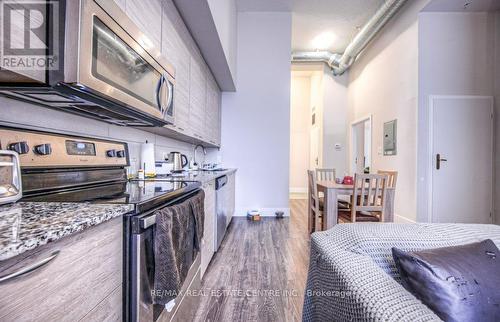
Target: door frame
(363,119)
(430,161)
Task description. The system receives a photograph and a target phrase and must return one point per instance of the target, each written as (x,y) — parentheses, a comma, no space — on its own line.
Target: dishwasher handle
(220,182)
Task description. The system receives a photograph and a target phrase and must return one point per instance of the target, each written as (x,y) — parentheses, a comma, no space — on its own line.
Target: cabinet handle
(30,268)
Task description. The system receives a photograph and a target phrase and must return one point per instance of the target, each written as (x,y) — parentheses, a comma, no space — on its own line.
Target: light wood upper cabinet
(175,48)
(212,112)
(121,4)
(197,96)
(146,14)
(196,93)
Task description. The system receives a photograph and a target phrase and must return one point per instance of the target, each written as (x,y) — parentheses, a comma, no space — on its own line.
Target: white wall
(256,118)
(300,119)
(335,106)
(225,18)
(384,83)
(456,53)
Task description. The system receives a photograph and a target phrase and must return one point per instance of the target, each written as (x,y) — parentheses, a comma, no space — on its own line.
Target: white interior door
(358,133)
(462,159)
(314,161)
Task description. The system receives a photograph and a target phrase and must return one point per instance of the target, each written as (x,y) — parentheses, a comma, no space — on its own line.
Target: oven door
(139,267)
(119,64)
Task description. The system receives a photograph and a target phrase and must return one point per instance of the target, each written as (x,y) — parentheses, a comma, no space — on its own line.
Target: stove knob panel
(20,147)
(43,149)
(120,153)
(111,153)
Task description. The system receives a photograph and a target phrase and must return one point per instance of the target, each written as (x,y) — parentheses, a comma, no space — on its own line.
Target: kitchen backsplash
(26,115)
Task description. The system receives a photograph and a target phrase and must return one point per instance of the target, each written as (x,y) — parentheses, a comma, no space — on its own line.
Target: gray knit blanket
(352,275)
(178,234)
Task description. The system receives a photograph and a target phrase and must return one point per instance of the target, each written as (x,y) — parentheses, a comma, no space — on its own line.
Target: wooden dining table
(332,190)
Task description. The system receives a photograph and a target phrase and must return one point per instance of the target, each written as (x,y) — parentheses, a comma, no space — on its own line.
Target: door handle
(30,268)
(439,160)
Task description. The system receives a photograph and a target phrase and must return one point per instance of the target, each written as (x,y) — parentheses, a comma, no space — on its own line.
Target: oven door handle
(149,218)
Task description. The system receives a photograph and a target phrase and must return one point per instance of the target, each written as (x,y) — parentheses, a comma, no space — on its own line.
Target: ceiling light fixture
(323,41)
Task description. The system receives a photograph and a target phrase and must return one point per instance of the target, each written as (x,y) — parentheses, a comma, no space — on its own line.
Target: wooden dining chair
(325,174)
(368,200)
(392,177)
(314,208)
(329,175)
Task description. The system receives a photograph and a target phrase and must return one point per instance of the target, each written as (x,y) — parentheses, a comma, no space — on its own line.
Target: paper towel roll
(148,159)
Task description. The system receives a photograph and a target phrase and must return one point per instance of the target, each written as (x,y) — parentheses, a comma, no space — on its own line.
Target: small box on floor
(253,215)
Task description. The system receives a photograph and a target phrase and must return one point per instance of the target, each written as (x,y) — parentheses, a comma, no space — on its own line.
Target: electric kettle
(178,160)
(10,177)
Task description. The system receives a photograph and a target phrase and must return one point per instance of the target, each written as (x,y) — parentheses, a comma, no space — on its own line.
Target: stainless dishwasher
(221,209)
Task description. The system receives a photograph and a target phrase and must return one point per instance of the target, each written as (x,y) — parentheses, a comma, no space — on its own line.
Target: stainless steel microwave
(107,68)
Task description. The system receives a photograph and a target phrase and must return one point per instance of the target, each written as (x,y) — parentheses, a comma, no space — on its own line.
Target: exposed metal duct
(341,62)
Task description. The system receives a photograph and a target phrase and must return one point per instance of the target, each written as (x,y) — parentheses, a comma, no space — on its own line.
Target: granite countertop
(204,176)
(26,225)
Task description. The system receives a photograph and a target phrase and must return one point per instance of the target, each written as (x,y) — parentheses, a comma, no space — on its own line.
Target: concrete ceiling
(463,5)
(319,24)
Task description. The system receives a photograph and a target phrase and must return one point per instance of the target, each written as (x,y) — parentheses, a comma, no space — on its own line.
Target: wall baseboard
(264,212)
(403,220)
(298,193)
(298,190)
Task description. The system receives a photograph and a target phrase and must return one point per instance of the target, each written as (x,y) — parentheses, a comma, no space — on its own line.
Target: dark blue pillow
(459,283)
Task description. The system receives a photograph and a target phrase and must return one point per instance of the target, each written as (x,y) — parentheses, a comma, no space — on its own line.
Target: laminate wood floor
(260,270)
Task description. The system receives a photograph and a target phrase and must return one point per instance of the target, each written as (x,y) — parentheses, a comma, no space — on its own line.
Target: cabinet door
(207,247)
(212,115)
(209,111)
(121,4)
(175,48)
(217,120)
(197,96)
(86,273)
(146,14)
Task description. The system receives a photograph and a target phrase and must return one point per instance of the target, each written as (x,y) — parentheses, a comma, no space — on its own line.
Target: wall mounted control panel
(46,150)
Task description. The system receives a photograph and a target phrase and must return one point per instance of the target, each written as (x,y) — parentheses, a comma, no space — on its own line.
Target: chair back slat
(392,177)
(369,193)
(325,174)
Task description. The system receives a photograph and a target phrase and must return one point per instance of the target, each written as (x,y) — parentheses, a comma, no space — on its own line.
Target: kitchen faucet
(194,153)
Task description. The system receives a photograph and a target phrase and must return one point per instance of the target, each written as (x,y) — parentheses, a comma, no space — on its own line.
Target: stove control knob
(120,153)
(111,153)
(19,147)
(43,149)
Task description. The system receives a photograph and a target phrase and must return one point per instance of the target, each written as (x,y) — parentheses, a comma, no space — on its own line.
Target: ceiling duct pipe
(342,62)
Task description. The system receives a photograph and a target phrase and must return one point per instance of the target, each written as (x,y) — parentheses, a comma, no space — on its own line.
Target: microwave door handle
(158,91)
(170,91)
